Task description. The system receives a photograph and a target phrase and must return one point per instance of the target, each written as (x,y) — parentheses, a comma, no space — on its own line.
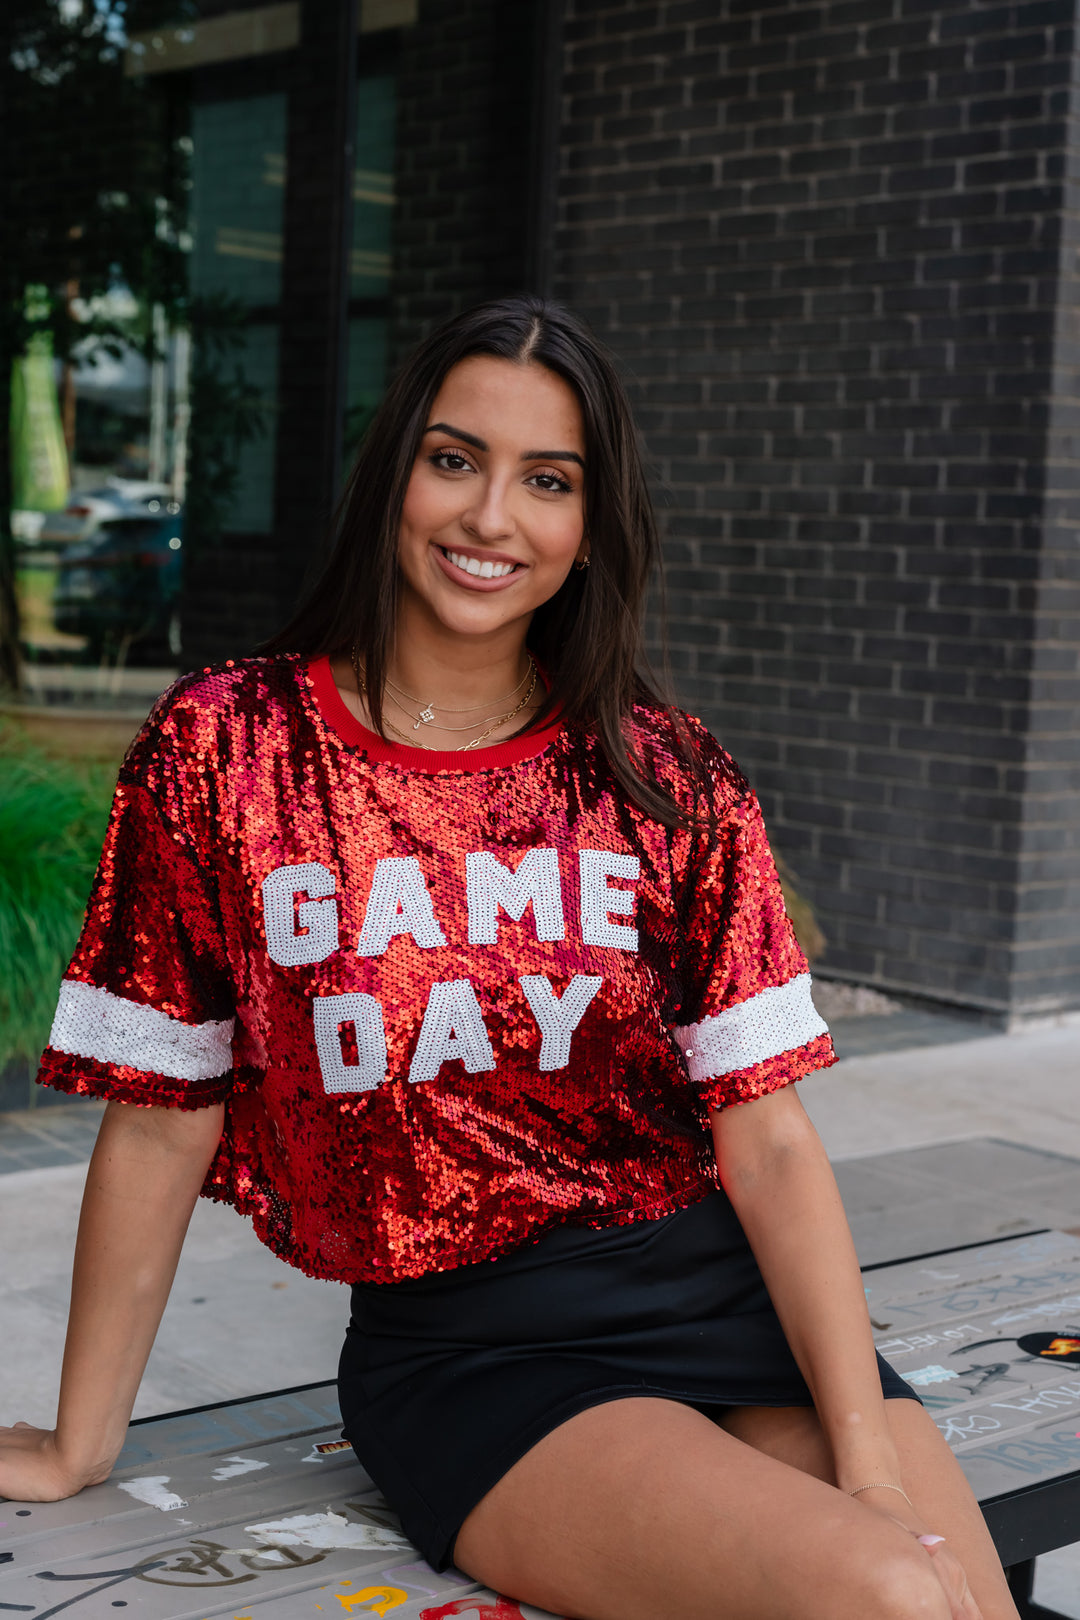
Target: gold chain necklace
(427,711)
(361,687)
(470,727)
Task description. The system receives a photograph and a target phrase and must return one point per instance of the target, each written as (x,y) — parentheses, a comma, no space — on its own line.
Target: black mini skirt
(447,1381)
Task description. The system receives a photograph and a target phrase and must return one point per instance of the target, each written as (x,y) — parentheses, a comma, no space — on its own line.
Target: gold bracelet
(880,1485)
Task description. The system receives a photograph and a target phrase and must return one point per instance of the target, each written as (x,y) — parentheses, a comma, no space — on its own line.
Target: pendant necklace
(426,715)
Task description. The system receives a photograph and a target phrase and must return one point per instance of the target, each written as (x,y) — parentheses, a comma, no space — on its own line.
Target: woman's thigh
(643,1509)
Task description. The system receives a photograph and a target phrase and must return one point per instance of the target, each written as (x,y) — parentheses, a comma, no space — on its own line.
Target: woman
(438,945)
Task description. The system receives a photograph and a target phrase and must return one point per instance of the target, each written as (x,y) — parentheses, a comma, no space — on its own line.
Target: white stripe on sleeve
(95,1024)
(774,1021)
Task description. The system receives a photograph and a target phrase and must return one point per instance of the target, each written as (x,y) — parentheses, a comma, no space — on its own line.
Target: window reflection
(373,188)
(145,399)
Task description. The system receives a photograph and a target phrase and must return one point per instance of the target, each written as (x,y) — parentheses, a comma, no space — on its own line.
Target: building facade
(834,246)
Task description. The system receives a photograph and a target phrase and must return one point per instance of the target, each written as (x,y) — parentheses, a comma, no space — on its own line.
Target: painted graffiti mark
(933,1374)
(1044,1400)
(1047,1307)
(206,1563)
(977,1378)
(501,1609)
(925,1341)
(1036,1459)
(967,1427)
(1045,1346)
(972,1298)
(105,1577)
(377,1599)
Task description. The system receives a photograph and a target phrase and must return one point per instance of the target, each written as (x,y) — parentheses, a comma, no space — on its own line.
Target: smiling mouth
(479,570)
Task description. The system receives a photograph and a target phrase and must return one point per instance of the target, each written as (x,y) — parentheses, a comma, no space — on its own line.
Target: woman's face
(493,518)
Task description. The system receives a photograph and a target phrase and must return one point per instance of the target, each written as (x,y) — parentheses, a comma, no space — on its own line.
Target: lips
(477,572)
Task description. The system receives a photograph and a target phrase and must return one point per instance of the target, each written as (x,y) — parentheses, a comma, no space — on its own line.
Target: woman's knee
(903,1585)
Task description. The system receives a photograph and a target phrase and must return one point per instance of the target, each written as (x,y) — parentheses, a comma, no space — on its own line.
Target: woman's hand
(144,1177)
(947,1567)
(949,1572)
(32,1468)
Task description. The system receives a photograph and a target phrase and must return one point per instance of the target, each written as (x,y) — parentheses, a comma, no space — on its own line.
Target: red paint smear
(501,1609)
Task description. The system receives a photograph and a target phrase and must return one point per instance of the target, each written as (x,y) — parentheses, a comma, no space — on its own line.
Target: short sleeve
(748,1023)
(146,1010)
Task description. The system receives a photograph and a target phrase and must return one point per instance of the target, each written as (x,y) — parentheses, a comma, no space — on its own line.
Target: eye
(451,461)
(553,483)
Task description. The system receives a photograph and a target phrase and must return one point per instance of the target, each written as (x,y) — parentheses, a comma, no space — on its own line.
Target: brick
(868,317)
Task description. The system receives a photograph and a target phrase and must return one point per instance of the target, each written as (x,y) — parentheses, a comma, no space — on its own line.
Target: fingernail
(930,1541)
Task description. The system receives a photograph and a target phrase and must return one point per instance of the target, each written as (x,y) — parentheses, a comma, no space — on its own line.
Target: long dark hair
(588,636)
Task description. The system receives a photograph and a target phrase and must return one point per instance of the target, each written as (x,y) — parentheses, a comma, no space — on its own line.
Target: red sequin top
(450,1000)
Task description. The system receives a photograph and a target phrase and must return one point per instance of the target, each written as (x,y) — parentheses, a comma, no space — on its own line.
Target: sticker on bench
(327,1529)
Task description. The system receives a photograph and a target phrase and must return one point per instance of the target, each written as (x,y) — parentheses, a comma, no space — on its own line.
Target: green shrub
(52,821)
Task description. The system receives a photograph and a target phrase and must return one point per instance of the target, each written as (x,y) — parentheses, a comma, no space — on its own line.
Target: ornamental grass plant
(52,820)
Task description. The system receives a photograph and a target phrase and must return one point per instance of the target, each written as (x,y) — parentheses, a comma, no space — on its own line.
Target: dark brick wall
(463,179)
(825,240)
(1047,941)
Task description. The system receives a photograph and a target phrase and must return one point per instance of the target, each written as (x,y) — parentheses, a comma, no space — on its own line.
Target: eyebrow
(479,444)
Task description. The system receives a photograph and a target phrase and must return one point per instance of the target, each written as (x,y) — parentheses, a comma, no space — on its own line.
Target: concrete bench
(255,1509)
(990,1336)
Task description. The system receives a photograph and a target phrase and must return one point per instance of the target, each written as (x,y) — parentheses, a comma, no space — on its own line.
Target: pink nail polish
(930,1541)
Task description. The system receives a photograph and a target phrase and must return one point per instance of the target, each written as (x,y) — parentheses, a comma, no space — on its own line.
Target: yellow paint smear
(376,1599)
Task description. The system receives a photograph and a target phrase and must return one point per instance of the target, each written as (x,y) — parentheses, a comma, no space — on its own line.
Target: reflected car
(120,589)
(87,509)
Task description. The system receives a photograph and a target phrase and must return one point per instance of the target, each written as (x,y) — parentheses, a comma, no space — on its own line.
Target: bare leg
(932,1477)
(643,1508)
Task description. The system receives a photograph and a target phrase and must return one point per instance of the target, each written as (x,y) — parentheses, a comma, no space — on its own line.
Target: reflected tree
(227,412)
(97,199)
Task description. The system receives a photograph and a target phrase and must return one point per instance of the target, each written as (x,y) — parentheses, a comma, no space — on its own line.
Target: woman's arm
(776,1173)
(144,1177)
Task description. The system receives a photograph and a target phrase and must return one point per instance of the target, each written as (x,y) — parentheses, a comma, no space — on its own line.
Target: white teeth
(480,570)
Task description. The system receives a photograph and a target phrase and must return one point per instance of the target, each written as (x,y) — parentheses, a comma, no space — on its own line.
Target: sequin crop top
(449,1001)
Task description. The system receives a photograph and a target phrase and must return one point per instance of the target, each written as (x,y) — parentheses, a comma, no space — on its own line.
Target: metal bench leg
(1021,1580)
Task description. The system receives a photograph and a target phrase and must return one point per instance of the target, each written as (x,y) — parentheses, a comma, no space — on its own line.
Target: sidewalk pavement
(974,1136)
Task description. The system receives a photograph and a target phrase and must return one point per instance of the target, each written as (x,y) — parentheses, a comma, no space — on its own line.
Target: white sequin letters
(333,1015)
(490,885)
(597,899)
(307,932)
(399,903)
(558,1016)
(452,1028)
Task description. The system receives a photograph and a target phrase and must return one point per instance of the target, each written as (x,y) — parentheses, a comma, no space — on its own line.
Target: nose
(489,517)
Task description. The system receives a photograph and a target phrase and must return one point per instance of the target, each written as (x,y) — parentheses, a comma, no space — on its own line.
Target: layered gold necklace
(426,712)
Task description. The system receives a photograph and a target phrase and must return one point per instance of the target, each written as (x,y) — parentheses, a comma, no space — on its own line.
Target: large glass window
(151,335)
(236,217)
(96,362)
